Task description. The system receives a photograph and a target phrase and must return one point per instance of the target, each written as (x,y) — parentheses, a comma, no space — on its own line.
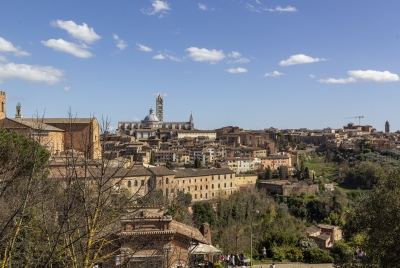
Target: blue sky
(252,64)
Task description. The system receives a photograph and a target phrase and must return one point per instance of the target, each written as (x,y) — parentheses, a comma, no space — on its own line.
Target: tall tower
(191,121)
(387,127)
(19,111)
(3,113)
(159,107)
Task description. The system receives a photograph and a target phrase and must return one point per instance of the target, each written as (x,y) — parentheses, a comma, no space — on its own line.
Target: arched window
(195,196)
(166,180)
(206,187)
(225,185)
(129,184)
(212,186)
(195,188)
(188,189)
(219,186)
(231,184)
(135,183)
(201,187)
(142,183)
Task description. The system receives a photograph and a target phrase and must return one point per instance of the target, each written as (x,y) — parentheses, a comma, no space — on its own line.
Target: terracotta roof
(188,231)
(312,229)
(323,237)
(36,123)
(161,171)
(68,120)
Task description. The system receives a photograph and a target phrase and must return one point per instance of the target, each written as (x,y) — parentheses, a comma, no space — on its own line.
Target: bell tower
(160,107)
(3,113)
(18,114)
(387,127)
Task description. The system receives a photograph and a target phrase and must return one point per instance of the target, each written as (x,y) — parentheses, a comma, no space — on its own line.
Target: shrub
(317,255)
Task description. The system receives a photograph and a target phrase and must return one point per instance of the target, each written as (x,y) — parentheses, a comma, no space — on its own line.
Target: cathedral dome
(151,117)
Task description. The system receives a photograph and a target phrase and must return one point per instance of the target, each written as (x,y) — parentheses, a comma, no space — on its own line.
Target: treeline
(235,218)
(63,222)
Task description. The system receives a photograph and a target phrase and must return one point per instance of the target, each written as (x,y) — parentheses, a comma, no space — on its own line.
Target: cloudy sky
(253,64)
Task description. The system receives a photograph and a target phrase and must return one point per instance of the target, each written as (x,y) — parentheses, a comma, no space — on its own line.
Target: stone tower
(3,113)
(191,121)
(19,111)
(387,127)
(159,107)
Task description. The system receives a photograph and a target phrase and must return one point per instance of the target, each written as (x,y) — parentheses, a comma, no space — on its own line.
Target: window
(166,180)
(142,183)
(195,196)
(172,191)
(212,194)
(206,195)
(129,184)
(188,189)
(194,180)
(183,181)
(206,187)
(225,176)
(201,187)
(219,177)
(201,196)
(219,186)
(166,192)
(212,177)
(212,186)
(201,180)
(195,188)
(231,184)
(135,183)
(225,185)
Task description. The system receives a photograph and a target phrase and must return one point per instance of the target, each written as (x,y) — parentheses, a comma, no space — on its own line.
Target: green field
(317,163)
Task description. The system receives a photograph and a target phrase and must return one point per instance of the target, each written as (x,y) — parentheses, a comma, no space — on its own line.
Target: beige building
(52,138)
(275,161)
(245,180)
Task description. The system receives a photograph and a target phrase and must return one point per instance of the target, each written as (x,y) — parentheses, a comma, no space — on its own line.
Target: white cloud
(311,75)
(258,2)
(286,9)
(299,59)
(163,56)
(237,70)
(273,74)
(80,32)
(78,50)
(253,8)
(203,54)
(158,57)
(30,73)
(7,46)
(144,48)
(202,7)
(67,88)
(158,7)
(3,58)
(121,44)
(238,58)
(363,76)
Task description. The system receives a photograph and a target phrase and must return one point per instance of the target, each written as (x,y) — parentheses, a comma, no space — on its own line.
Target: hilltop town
(168,172)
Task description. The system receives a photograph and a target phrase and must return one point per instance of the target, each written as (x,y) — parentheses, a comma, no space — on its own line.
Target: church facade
(152,123)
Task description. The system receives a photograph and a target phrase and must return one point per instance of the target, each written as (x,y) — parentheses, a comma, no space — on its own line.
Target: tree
(168,164)
(22,182)
(152,161)
(376,216)
(197,163)
(306,173)
(268,173)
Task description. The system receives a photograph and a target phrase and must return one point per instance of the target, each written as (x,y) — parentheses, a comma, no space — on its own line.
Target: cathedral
(152,123)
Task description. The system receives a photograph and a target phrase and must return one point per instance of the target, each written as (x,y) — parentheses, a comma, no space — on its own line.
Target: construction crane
(359,118)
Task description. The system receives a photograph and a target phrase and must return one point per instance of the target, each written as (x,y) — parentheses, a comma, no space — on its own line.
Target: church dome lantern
(151,117)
